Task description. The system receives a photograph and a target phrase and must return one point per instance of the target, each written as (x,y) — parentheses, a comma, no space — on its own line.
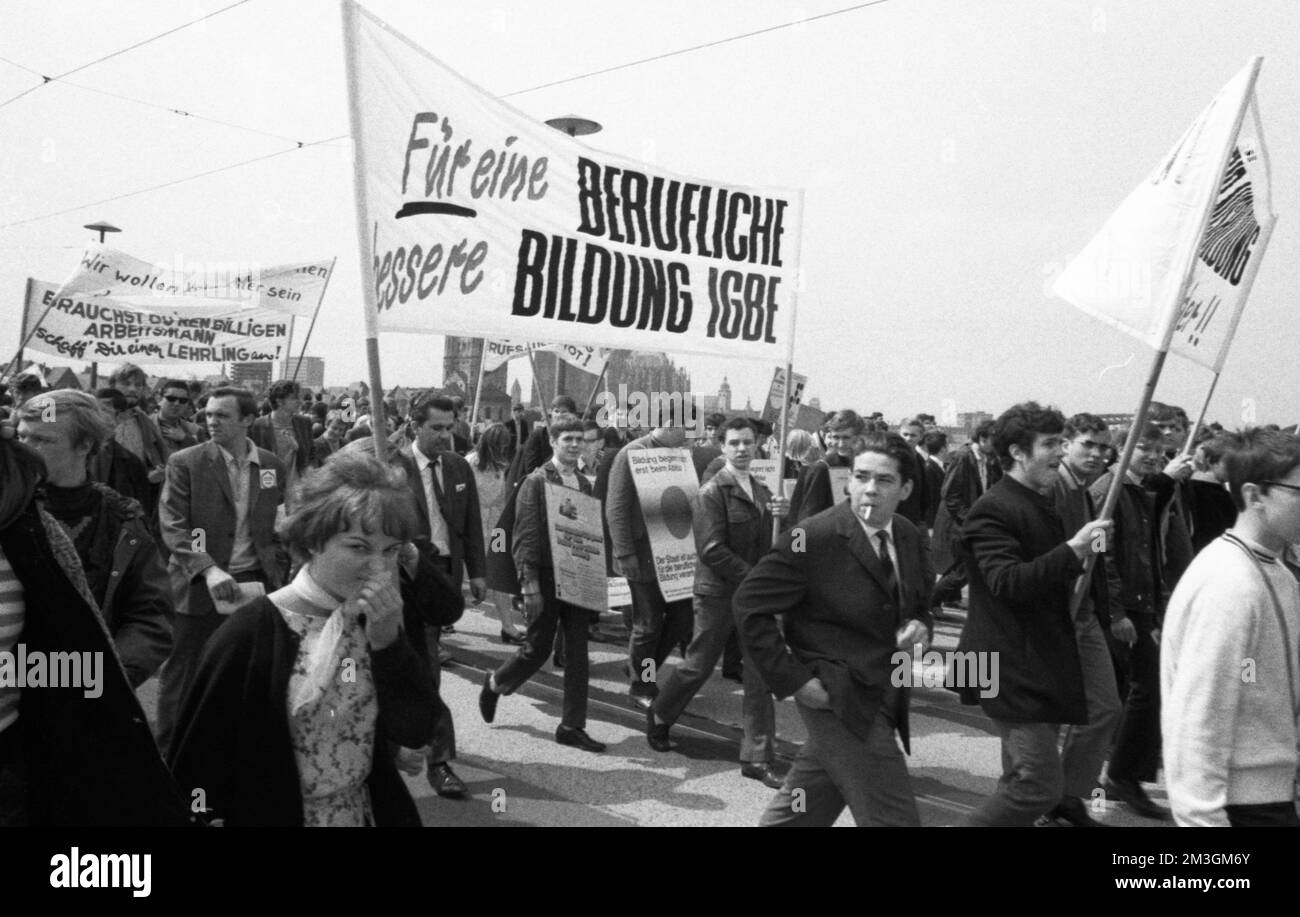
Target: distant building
(310,375)
(256,377)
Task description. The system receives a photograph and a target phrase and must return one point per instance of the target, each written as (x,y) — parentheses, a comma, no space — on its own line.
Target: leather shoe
(577,738)
(641,701)
(444,656)
(445,782)
(656,733)
(558,660)
(513,639)
(1072,811)
(736,674)
(487,699)
(1131,792)
(763,773)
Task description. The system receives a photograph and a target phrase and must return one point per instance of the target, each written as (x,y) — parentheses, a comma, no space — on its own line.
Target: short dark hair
(590,424)
(420,411)
(564,426)
(174,383)
(564,403)
(982,430)
(934,442)
(847,420)
(518,407)
(127,371)
(893,446)
(1163,413)
(715,420)
(113,397)
(282,389)
(740,423)
(1084,423)
(247,403)
(1257,456)
(1150,433)
(1018,426)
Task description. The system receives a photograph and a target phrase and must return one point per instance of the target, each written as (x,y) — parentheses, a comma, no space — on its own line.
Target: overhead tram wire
(517,92)
(700,47)
(176,181)
(99,60)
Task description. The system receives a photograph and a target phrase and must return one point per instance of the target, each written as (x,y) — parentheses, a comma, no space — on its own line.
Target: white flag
(477,220)
(1130,274)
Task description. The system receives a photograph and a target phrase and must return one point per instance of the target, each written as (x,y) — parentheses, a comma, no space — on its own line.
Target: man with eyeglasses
(177,432)
(813,492)
(1139,578)
(1087,443)
(1229,674)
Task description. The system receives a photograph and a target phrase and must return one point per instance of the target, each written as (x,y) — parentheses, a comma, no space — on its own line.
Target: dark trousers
(714,625)
(13,778)
(950,585)
(657,626)
(835,769)
(443,747)
(1263,815)
(190,634)
(539,640)
(1136,754)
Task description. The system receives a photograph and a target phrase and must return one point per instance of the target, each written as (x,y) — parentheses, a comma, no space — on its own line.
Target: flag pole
(378,421)
(541,402)
(596,388)
(478,386)
(789,373)
(320,302)
(1157,364)
(29,333)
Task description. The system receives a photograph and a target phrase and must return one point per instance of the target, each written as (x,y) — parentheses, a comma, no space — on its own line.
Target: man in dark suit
(285,432)
(916,509)
(1022,569)
(217,516)
(519,426)
(934,446)
(850,586)
(971,473)
(813,491)
(657,624)
(733,529)
(451,534)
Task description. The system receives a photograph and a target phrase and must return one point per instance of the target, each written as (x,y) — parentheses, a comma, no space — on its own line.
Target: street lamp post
(103,229)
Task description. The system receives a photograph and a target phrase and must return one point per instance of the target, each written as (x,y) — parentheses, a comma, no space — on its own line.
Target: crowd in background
(291,591)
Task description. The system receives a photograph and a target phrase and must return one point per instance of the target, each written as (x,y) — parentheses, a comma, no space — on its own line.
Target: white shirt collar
(250,455)
(872,531)
(422,461)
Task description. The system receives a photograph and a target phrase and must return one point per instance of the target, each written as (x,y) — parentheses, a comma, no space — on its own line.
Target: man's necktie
(891,575)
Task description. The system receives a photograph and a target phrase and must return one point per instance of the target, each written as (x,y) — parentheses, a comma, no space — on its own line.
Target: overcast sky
(954,154)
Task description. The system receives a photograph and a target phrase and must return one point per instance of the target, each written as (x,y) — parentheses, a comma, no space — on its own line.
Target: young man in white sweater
(1230,661)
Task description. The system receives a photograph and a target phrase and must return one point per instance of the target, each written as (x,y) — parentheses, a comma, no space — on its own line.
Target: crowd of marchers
(287,568)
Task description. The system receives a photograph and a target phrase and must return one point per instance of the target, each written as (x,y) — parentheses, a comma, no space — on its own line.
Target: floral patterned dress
(334,735)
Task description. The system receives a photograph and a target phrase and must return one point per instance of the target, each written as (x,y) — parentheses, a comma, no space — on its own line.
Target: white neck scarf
(323,657)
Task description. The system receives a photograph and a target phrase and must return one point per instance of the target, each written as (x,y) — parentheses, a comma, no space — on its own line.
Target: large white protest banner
(573,521)
(480,220)
(1130,274)
(204,288)
(590,359)
(79,327)
(666,486)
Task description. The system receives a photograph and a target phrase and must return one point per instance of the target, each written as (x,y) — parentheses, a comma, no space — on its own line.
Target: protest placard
(666,486)
(573,521)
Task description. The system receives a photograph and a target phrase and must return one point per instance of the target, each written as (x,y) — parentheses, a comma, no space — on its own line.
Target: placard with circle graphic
(666,487)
